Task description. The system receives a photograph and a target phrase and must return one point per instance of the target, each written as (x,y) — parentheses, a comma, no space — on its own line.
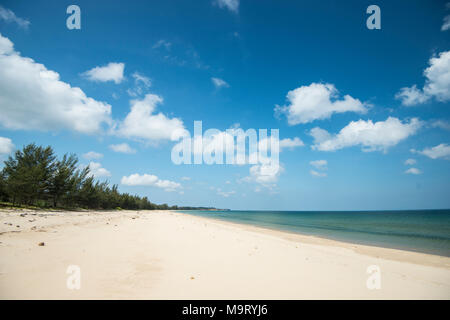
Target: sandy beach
(170,255)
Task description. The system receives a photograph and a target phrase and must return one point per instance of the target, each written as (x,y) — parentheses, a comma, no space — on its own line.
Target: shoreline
(173,255)
(398,254)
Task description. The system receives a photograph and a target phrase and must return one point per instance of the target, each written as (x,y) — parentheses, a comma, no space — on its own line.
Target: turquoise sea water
(418,230)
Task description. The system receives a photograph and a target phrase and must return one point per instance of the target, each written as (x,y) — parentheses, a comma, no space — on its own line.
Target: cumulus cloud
(9,16)
(439,151)
(33,98)
(122,148)
(291,143)
(316,102)
(141,84)
(264,175)
(437,83)
(318,174)
(113,71)
(413,171)
(162,43)
(319,164)
(219,83)
(150,180)
(141,78)
(92,155)
(378,136)
(287,143)
(446,23)
(97,170)
(143,123)
(411,96)
(225,194)
(442,124)
(6,146)
(232,5)
(410,162)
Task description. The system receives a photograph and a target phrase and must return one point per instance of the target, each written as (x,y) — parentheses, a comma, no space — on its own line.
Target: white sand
(166,255)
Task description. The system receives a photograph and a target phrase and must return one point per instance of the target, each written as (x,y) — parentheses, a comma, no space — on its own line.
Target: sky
(363,114)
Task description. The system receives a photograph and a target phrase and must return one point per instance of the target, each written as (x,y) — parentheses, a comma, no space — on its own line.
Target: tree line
(34,176)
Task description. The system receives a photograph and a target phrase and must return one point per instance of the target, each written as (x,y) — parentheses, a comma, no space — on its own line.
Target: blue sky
(361,101)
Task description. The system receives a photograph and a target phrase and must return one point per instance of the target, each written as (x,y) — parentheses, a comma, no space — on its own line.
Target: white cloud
(291,143)
(33,98)
(139,180)
(141,83)
(6,46)
(97,170)
(185,178)
(320,135)
(316,102)
(150,180)
(225,194)
(318,174)
(232,5)
(219,83)
(167,185)
(9,16)
(122,148)
(92,155)
(442,124)
(413,171)
(439,151)
(287,143)
(162,43)
(378,136)
(411,96)
(410,162)
(437,83)
(141,78)
(319,164)
(264,175)
(446,24)
(111,72)
(6,146)
(143,123)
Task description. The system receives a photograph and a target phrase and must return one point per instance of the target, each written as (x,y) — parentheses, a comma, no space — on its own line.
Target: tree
(34,175)
(3,190)
(28,173)
(61,183)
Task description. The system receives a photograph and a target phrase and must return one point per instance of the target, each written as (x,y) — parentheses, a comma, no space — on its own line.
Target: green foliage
(35,177)
(3,194)
(28,174)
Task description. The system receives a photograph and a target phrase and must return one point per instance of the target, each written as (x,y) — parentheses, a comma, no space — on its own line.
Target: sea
(425,231)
